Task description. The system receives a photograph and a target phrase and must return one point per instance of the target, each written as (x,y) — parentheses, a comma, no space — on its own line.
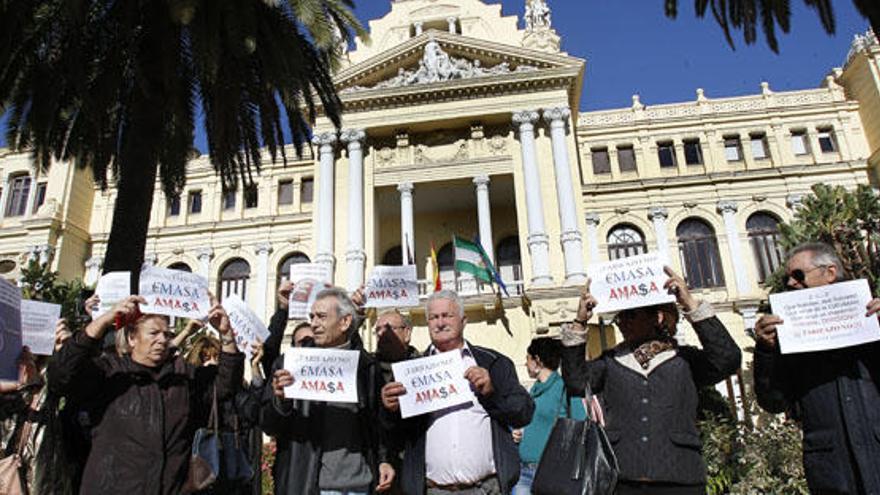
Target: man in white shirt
(465,450)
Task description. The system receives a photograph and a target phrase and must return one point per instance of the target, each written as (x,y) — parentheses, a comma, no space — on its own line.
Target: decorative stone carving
(385,156)
(497,145)
(438,66)
(537,15)
(860,43)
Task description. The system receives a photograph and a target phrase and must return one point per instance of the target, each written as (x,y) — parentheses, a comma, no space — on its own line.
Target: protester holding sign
(329,447)
(649,386)
(467,448)
(146,403)
(835,393)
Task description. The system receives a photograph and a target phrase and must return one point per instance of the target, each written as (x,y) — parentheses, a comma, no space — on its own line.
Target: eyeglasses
(800,276)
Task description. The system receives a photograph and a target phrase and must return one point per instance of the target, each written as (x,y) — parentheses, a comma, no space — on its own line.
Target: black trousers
(647,488)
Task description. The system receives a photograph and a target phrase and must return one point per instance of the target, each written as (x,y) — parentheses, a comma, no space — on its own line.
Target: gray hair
(344,306)
(447,295)
(407,321)
(823,255)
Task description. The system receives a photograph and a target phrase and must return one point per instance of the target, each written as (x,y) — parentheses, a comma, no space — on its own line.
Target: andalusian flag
(471,258)
(437,284)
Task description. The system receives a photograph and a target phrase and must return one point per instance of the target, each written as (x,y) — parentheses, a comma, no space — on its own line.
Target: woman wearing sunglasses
(648,385)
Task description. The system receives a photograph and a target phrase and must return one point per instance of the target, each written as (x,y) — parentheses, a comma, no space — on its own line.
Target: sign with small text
(112,288)
(432,383)
(825,318)
(308,280)
(322,374)
(245,323)
(174,293)
(628,283)
(10,330)
(38,320)
(392,287)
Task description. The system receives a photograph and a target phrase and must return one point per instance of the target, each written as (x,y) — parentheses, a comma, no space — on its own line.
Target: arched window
(393,257)
(509,261)
(234,277)
(698,249)
(624,241)
(284,267)
(180,266)
(763,231)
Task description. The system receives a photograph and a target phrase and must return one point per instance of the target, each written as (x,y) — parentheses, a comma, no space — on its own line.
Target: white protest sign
(174,293)
(392,287)
(38,321)
(10,330)
(824,318)
(247,325)
(112,288)
(322,374)
(308,279)
(628,283)
(432,383)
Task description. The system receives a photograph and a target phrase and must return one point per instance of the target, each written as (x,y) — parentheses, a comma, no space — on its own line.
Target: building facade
(462,121)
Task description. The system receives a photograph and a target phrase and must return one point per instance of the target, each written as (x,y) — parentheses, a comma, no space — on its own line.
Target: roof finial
(537,15)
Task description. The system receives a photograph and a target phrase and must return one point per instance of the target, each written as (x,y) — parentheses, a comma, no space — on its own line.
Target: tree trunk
(134,190)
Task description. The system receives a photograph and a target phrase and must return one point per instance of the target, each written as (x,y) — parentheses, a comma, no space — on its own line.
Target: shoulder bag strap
(28,424)
(213,421)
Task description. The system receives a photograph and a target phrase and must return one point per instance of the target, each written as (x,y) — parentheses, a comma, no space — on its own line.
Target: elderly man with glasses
(834,394)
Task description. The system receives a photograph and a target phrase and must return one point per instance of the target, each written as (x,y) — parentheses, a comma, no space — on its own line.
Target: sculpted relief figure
(537,15)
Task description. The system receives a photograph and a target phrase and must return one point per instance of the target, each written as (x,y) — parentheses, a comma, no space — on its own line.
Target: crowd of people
(116,408)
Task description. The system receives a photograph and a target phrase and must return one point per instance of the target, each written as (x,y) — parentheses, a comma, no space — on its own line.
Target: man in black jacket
(329,448)
(466,450)
(834,393)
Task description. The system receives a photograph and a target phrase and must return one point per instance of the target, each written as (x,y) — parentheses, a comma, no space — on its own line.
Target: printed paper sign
(38,321)
(308,280)
(824,318)
(112,288)
(432,383)
(174,293)
(628,283)
(392,287)
(247,325)
(322,374)
(10,330)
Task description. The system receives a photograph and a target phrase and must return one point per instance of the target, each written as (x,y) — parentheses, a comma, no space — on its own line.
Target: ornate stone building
(460,120)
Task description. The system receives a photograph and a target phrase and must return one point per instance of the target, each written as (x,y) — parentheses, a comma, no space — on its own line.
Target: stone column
(750,317)
(355,256)
(450,21)
(407,222)
(419,26)
(728,214)
(4,196)
(539,244)
(262,250)
(204,255)
(658,216)
(592,220)
(572,241)
(93,270)
(484,215)
(325,199)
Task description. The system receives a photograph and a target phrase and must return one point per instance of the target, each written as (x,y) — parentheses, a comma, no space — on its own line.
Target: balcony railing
(471,287)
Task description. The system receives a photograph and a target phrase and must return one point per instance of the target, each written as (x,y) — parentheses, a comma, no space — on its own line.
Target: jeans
(526,475)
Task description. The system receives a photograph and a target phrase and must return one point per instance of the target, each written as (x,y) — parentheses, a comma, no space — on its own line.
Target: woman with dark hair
(648,386)
(551,402)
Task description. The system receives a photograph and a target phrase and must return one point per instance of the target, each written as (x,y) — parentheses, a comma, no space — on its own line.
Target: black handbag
(578,458)
(236,465)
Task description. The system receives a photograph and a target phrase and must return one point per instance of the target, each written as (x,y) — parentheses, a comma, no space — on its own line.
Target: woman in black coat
(144,404)
(649,384)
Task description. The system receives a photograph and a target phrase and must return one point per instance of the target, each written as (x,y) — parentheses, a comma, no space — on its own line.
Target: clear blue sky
(631,47)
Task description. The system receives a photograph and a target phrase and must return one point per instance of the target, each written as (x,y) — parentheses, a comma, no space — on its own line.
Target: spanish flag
(436,269)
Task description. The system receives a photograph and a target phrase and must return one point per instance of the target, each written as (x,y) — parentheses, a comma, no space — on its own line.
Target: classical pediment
(437,58)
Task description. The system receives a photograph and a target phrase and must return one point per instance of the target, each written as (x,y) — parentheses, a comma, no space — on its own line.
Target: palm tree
(115,86)
(746,15)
